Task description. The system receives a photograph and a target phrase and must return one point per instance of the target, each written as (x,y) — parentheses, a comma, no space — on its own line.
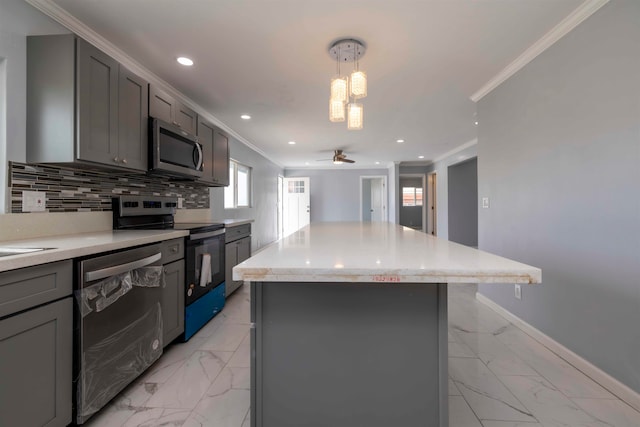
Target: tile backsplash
(85,190)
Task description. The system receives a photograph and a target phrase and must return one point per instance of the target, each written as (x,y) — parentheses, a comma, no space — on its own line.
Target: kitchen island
(349,324)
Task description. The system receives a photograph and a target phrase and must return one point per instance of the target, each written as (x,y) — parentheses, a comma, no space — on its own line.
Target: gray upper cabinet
(221,157)
(215,149)
(83,106)
(165,107)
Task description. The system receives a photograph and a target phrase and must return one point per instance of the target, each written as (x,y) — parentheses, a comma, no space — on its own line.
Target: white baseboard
(617,388)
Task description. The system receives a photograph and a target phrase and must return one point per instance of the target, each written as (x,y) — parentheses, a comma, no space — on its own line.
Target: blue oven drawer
(198,313)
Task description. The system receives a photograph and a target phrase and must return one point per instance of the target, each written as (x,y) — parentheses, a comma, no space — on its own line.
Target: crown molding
(78,27)
(456,150)
(575,18)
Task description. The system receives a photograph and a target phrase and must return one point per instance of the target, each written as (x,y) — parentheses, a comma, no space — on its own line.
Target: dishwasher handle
(90,276)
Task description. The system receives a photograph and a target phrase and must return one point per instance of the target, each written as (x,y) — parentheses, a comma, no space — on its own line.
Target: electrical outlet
(33,201)
(180,201)
(518,291)
(485,203)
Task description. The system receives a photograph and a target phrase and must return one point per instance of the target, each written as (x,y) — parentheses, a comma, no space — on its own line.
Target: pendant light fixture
(345,90)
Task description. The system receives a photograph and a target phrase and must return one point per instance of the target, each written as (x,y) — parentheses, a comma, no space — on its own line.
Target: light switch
(485,203)
(33,201)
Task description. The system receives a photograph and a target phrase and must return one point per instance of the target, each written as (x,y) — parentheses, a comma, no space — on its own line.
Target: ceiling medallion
(345,90)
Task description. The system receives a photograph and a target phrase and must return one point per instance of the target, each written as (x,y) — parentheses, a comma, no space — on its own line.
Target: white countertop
(77,245)
(377,252)
(234,222)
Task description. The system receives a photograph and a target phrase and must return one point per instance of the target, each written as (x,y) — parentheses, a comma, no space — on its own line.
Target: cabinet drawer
(238,232)
(28,287)
(172,250)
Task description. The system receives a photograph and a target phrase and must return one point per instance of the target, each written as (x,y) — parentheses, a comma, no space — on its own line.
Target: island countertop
(377,252)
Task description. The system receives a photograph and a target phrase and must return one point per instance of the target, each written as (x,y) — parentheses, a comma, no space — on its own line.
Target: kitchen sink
(4,251)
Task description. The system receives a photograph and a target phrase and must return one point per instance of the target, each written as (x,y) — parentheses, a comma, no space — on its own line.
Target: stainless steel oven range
(204,253)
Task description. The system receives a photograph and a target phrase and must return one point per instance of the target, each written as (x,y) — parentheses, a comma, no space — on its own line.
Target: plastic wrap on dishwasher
(114,362)
(101,295)
(148,277)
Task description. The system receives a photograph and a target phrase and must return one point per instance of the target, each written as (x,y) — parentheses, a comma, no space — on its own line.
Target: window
(238,193)
(411,196)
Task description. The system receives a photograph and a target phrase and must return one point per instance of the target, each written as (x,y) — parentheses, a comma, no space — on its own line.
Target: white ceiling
(269,59)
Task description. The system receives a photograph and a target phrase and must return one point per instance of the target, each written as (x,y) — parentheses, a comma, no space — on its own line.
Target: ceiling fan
(338,158)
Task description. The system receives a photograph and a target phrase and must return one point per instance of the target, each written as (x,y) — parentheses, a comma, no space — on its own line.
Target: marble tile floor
(499,377)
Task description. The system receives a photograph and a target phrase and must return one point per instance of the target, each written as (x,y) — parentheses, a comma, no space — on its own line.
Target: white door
(297,206)
(377,205)
(373,198)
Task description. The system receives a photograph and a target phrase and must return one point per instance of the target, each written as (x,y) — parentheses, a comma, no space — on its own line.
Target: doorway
(412,211)
(373,198)
(432,208)
(296,204)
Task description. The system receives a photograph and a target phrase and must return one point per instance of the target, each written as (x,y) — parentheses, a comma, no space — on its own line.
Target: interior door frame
(432,216)
(423,177)
(385,196)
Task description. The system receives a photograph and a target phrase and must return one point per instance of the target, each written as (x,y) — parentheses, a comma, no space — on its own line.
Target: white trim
(60,15)
(622,391)
(575,18)
(456,150)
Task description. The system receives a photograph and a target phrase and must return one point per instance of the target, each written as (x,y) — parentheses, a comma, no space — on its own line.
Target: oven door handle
(90,276)
(205,235)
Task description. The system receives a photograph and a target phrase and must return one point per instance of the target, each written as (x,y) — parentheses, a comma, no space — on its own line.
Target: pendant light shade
(346,90)
(339,89)
(358,84)
(355,116)
(336,110)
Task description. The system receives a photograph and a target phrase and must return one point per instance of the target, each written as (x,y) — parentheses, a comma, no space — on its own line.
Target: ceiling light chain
(345,90)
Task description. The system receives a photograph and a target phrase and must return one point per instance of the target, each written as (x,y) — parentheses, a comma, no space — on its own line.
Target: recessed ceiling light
(185,61)
(476,123)
(306,163)
(292,143)
(421,157)
(245,117)
(377,163)
(399,141)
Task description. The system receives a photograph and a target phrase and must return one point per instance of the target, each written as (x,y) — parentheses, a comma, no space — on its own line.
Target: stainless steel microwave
(174,152)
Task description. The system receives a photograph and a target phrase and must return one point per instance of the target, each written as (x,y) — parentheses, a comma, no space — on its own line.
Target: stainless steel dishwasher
(118,324)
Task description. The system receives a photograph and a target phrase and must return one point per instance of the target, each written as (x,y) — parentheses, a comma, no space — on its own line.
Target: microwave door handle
(199,160)
(90,276)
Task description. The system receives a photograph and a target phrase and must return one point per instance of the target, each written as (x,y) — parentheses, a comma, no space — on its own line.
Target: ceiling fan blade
(348,161)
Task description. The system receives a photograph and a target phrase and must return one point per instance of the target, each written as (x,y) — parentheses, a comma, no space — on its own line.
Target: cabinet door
(205,137)
(97,108)
(231,260)
(244,249)
(220,158)
(36,377)
(173,301)
(133,120)
(186,118)
(161,105)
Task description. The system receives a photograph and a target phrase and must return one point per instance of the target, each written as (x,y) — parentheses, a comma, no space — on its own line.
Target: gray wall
(17,20)
(463,202)
(264,209)
(335,193)
(366,200)
(559,156)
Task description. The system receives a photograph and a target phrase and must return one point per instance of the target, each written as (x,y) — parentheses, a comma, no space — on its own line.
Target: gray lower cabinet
(173,301)
(83,106)
(165,107)
(36,346)
(237,249)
